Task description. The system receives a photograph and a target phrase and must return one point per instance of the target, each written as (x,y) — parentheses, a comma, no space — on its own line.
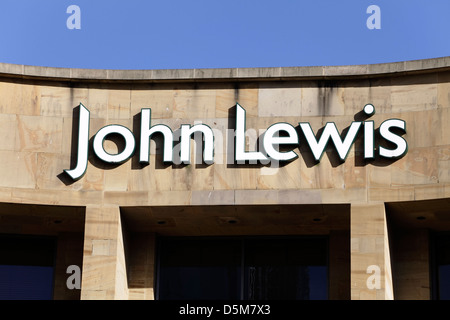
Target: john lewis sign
(277,134)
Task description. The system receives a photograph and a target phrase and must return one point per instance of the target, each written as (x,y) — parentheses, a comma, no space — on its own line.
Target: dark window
(251,269)
(285,269)
(198,269)
(441,266)
(26,268)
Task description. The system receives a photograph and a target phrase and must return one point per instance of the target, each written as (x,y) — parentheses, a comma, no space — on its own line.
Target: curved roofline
(225,74)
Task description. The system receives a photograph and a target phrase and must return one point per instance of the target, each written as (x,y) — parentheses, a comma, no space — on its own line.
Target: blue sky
(176,34)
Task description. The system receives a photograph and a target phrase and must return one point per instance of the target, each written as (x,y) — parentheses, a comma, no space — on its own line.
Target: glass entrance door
(245,268)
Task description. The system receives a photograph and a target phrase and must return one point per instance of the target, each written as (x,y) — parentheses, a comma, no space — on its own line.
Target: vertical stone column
(104,269)
(371,275)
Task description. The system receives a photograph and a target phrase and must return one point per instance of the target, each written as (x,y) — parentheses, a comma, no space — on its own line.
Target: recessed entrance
(239,252)
(37,245)
(420,248)
(244,268)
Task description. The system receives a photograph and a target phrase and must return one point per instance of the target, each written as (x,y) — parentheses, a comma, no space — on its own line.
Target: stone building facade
(384,219)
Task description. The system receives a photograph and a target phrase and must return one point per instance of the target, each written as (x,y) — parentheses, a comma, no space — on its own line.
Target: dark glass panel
(26,282)
(286,269)
(442,267)
(272,269)
(199,269)
(26,267)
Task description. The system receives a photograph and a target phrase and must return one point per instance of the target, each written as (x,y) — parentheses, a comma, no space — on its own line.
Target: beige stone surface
(194,103)
(39,134)
(275,100)
(103,261)
(370,253)
(417,93)
(8,124)
(119,104)
(322,100)
(443,90)
(244,94)
(160,100)
(18,98)
(59,100)
(18,169)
